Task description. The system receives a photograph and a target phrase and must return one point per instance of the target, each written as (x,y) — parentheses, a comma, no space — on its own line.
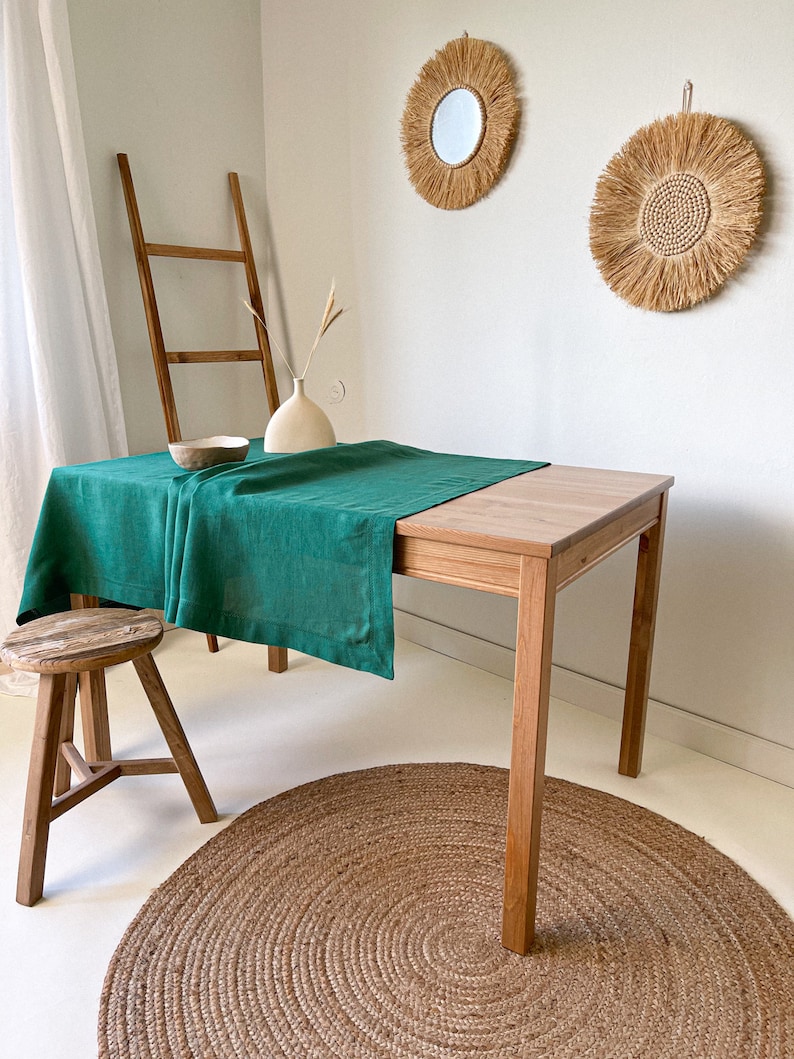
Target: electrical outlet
(336,392)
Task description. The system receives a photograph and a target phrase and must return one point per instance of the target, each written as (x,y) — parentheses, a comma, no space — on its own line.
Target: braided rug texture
(359,916)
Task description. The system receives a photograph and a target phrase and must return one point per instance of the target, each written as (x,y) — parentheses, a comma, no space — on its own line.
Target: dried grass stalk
(329,316)
(676,210)
(482,68)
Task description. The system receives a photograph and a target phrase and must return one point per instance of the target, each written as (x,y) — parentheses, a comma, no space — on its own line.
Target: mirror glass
(457,128)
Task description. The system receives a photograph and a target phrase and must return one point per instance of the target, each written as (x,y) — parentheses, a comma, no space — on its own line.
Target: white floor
(256,733)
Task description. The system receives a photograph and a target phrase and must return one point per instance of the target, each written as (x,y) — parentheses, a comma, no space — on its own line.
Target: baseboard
(760,756)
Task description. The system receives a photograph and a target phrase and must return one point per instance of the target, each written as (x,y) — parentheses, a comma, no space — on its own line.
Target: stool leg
(93,701)
(175,737)
(94,713)
(41,777)
(63,771)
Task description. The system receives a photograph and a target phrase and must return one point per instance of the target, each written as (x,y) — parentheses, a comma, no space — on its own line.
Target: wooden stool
(59,647)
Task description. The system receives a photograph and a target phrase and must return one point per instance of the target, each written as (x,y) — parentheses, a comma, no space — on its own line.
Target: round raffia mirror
(459,123)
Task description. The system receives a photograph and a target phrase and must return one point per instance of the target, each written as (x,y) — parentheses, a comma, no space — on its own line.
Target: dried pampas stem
(251,309)
(483,69)
(328,318)
(676,210)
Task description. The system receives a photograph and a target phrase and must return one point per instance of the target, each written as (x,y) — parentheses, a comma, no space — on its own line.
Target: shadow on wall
(723,646)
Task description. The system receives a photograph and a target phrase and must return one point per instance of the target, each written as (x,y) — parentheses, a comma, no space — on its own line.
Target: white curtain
(59,392)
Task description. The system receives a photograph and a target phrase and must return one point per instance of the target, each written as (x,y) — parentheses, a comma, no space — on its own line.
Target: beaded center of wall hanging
(675,214)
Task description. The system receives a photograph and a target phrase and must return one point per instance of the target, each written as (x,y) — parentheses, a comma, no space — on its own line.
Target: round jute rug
(359,916)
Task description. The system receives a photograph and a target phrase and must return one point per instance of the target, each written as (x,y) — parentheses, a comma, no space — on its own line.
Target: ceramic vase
(299,424)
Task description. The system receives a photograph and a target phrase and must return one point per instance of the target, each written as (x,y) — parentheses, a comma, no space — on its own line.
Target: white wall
(489,330)
(177,85)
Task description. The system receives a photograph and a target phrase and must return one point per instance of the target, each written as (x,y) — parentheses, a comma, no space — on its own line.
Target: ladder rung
(212,356)
(199,253)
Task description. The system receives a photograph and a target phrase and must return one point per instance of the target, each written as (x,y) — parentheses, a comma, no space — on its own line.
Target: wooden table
(526,537)
(529,537)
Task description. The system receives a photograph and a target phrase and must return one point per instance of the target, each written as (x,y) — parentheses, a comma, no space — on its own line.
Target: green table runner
(290,550)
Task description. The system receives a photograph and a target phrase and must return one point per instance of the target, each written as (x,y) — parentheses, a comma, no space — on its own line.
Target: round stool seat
(81,640)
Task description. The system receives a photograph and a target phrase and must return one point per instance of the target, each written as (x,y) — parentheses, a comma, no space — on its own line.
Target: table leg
(536,602)
(277,661)
(643,625)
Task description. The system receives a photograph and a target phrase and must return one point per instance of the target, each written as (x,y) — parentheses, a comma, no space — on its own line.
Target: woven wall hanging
(482,70)
(676,210)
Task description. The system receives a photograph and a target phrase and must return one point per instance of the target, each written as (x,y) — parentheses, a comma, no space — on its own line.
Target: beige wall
(177,86)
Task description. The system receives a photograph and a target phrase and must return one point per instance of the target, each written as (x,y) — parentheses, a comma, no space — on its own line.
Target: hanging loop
(686,105)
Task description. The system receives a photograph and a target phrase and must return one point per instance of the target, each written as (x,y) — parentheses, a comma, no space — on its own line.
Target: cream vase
(299,424)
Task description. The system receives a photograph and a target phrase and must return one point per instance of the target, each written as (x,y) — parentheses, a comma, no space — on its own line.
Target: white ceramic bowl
(208,452)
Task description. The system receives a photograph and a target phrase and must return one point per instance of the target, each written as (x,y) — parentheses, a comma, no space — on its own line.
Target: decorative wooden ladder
(163,358)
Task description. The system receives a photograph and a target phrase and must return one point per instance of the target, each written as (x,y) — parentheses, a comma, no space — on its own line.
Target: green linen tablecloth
(291,550)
